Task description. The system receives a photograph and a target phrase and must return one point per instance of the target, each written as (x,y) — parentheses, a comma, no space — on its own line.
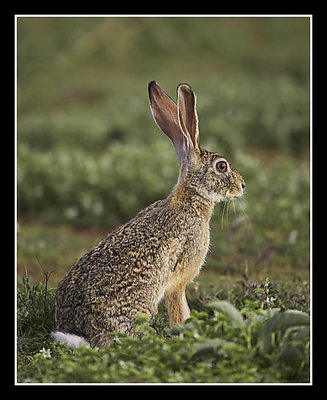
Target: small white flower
(271,299)
(45,352)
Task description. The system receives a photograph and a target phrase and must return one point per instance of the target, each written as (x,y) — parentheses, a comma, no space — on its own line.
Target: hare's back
(125,255)
(122,271)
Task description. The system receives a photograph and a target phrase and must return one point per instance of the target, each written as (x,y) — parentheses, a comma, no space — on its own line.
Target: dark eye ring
(221,166)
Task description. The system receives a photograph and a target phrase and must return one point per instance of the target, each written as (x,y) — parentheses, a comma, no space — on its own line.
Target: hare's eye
(221,166)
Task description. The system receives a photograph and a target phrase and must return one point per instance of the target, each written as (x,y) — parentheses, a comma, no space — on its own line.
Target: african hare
(158,252)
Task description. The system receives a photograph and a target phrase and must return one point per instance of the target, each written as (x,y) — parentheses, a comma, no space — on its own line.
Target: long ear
(164,112)
(187,115)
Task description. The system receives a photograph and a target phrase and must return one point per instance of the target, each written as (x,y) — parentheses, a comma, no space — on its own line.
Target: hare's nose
(243,184)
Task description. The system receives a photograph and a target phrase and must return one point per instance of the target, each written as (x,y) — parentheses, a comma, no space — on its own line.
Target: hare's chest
(196,251)
(192,256)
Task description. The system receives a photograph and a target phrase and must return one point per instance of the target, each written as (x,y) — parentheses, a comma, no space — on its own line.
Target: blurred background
(90,155)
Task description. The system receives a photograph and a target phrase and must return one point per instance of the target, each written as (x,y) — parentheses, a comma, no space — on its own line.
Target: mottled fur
(158,252)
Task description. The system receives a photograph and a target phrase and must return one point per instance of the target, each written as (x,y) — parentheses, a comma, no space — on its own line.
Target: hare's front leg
(178,309)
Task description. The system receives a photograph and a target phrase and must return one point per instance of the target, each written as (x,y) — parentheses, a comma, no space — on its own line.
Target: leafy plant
(281,326)
(218,344)
(228,310)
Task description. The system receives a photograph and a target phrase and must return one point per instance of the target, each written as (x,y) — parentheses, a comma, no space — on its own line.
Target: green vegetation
(89,157)
(259,342)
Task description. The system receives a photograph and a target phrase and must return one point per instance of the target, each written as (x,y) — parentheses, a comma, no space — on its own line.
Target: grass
(89,157)
(255,340)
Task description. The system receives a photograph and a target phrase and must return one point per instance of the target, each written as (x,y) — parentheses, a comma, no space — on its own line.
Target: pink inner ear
(164,112)
(188,118)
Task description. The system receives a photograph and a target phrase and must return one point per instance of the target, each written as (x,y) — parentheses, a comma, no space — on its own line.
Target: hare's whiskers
(225,216)
(243,209)
(228,205)
(222,216)
(234,208)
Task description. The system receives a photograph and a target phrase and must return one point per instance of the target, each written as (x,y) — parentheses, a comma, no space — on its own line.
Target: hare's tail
(72,341)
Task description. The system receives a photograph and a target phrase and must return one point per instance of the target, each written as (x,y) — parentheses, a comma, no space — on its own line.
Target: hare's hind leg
(178,309)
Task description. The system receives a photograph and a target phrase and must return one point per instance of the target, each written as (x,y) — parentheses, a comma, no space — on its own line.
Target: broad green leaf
(276,326)
(228,310)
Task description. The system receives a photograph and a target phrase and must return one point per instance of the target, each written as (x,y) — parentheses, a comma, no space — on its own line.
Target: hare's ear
(164,112)
(187,115)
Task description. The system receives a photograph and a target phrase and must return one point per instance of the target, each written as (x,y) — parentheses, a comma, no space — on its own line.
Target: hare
(160,251)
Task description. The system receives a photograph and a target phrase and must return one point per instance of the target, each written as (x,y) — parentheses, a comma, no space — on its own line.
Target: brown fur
(158,252)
